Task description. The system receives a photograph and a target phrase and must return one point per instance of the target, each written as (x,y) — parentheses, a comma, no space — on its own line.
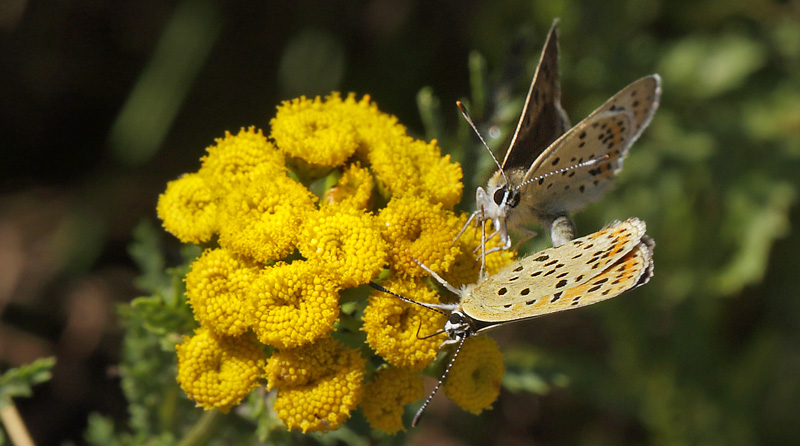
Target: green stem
(202,430)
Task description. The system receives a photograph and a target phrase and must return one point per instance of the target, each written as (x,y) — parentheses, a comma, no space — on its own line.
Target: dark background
(102,103)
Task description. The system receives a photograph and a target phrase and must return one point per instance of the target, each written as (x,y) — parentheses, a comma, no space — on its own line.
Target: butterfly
(582,272)
(551,169)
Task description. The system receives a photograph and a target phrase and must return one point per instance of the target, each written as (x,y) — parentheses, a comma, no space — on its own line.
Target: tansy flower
(216,371)
(474,381)
(218,286)
(230,162)
(385,396)
(346,241)
(316,132)
(417,229)
(318,385)
(372,125)
(260,218)
(354,188)
(188,209)
(393,326)
(467,264)
(409,167)
(295,304)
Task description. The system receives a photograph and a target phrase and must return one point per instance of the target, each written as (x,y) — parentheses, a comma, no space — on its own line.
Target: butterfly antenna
(436,333)
(590,162)
(472,124)
(421,304)
(439,384)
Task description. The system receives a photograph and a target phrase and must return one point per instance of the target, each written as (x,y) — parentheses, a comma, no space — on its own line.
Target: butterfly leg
(561,229)
(466,225)
(529,234)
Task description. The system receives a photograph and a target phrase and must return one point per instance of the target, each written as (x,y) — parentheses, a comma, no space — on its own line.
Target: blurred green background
(104,102)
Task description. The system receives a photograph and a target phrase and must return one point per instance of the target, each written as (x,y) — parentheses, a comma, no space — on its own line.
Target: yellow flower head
(318,384)
(384,397)
(188,209)
(372,126)
(392,325)
(408,167)
(354,188)
(260,219)
(217,287)
(315,131)
(466,267)
(217,371)
(475,379)
(295,304)
(417,229)
(346,241)
(230,162)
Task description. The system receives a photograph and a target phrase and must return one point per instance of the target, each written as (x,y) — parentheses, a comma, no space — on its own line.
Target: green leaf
(17,382)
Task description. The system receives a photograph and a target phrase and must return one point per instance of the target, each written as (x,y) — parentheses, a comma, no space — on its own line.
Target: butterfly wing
(608,132)
(587,270)
(542,120)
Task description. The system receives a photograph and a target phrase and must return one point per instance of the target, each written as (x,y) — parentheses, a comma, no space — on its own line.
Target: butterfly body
(550,169)
(582,272)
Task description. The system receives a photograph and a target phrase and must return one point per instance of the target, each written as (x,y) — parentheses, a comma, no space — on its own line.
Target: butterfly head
(458,326)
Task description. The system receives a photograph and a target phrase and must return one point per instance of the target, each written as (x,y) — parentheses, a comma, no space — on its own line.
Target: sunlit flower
(394,327)
(230,162)
(466,267)
(372,126)
(260,218)
(385,396)
(409,167)
(347,241)
(217,287)
(188,209)
(295,304)
(318,385)
(475,379)
(417,229)
(354,188)
(217,371)
(315,131)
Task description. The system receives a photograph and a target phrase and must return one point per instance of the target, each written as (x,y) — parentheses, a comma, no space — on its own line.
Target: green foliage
(18,382)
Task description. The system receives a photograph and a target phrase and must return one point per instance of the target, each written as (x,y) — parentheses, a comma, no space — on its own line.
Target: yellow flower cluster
(280,257)
(474,381)
(219,371)
(347,241)
(393,325)
(415,229)
(295,304)
(385,396)
(465,269)
(318,384)
(218,286)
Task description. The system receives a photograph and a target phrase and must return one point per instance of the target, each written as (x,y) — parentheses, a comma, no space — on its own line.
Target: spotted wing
(606,136)
(542,120)
(587,270)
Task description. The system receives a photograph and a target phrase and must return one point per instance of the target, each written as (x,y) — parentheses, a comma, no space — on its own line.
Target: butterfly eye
(499,194)
(513,200)
(456,318)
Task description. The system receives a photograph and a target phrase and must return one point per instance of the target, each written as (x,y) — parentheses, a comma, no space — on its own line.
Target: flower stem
(15,426)
(202,430)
